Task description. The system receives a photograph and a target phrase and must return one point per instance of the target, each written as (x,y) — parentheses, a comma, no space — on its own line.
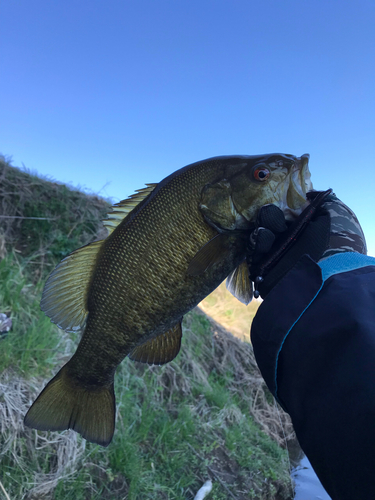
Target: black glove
(270,222)
(324,228)
(308,234)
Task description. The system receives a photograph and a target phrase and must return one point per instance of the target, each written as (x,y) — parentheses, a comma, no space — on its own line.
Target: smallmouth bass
(169,246)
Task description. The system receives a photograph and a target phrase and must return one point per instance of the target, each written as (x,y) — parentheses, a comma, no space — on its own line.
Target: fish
(169,245)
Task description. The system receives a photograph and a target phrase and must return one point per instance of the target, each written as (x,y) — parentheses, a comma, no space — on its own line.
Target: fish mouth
(300,183)
(301,176)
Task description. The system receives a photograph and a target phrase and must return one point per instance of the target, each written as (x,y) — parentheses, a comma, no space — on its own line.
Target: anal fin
(161,349)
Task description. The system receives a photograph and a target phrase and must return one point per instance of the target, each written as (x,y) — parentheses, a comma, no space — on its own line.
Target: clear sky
(112,94)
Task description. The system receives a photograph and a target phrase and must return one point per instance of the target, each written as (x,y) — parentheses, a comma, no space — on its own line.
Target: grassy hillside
(207,414)
(229,312)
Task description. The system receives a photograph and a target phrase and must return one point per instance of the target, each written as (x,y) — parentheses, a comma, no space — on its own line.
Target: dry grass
(32,453)
(234,360)
(27,450)
(229,312)
(189,382)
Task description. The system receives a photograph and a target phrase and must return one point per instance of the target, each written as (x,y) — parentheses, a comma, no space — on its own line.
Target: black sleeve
(315,345)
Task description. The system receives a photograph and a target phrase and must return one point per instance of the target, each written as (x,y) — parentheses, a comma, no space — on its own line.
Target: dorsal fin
(161,349)
(64,297)
(121,209)
(239,284)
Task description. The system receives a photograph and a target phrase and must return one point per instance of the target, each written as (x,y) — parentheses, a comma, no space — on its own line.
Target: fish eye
(261,173)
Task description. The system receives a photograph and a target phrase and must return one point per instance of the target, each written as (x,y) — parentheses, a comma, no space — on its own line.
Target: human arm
(314,341)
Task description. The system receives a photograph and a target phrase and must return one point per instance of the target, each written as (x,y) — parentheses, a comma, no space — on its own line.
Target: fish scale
(169,246)
(113,293)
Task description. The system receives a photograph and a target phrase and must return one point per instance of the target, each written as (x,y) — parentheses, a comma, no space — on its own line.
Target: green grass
(46,220)
(175,423)
(33,344)
(207,414)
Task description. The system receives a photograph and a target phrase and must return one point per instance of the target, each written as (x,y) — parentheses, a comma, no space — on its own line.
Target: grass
(207,414)
(32,345)
(45,220)
(230,312)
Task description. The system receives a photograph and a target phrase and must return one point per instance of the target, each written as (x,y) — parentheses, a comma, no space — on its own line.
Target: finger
(263,240)
(272,218)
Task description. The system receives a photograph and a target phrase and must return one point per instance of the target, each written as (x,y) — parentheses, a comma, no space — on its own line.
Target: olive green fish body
(169,246)
(141,288)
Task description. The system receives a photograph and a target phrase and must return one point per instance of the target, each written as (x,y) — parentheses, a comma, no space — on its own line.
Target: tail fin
(65,405)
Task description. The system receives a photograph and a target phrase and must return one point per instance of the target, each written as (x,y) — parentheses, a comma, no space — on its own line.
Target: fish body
(169,247)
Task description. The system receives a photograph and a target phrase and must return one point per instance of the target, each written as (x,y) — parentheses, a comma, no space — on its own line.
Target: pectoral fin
(239,284)
(161,349)
(212,252)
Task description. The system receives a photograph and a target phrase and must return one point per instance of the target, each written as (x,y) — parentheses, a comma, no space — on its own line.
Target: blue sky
(112,94)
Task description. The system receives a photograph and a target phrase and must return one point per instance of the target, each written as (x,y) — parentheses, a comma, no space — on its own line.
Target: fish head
(233,202)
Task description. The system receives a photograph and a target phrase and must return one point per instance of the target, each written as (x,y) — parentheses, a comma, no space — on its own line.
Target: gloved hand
(324,228)
(270,223)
